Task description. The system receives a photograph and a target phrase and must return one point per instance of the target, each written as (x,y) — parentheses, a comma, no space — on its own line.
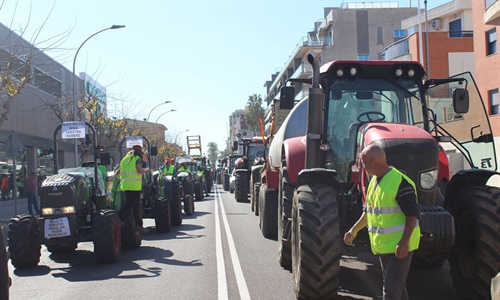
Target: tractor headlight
(47,211)
(68,210)
(428,179)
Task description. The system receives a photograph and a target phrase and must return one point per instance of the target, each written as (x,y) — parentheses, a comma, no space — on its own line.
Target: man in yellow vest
(184,168)
(391,213)
(130,171)
(168,168)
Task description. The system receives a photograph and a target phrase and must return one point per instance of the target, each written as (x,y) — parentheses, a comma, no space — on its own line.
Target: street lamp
(165,113)
(73,81)
(156,107)
(179,134)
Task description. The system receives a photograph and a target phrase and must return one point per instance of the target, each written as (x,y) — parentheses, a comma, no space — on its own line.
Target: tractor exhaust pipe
(314,119)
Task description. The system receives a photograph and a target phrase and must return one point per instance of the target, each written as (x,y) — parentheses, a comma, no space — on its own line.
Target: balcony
(492,13)
(397,49)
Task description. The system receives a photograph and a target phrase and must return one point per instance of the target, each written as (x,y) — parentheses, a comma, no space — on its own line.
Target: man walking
(391,213)
(31,186)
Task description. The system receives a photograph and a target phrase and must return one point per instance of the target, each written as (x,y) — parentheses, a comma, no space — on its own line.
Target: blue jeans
(32,200)
(395,272)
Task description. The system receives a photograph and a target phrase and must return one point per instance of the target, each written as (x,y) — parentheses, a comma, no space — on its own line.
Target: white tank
(294,125)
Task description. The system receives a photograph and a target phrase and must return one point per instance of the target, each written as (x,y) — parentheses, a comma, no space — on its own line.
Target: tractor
(73,209)
(435,131)
(253,153)
(187,183)
(229,164)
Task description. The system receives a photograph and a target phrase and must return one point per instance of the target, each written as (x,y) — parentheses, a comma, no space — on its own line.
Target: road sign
(134,140)
(73,130)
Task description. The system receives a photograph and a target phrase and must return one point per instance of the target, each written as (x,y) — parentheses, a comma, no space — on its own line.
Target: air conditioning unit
(437,23)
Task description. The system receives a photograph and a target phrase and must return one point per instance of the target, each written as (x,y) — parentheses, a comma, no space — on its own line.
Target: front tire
(226,182)
(131,238)
(241,186)
(268,212)
(285,213)
(474,258)
(106,235)
(256,199)
(24,243)
(316,242)
(162,218)
(188,205)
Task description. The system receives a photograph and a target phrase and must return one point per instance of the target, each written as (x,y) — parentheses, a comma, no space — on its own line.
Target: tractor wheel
(268,212)
(252,194)
(256,199)
(218,178)
(241,187)
(24,243)
(131,237)
(198,191)
(58,249)
(226,182)
(474,258)
(284,215)
(162,218)
(4,268)
(188,205)
(316,242)
(175,205)
(106,235)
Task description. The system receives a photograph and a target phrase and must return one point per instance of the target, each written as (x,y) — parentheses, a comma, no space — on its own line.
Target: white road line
(221,267)
(240,279)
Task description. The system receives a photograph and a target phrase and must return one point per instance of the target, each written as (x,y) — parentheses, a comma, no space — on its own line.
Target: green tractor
(73,209)
(188,181)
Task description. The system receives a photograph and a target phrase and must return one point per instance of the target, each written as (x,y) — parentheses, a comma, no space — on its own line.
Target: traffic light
(100,148)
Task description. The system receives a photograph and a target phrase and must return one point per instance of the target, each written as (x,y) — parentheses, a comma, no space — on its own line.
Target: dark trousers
(5,194)
(32,201)
(395,272)
(134,202)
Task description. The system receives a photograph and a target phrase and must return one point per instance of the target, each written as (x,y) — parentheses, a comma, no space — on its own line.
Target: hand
(401,250)
(349,237)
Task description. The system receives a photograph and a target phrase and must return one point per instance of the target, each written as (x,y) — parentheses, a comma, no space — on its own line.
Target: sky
(206,57)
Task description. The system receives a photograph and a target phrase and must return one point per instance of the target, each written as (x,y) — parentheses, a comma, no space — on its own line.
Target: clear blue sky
(206,57)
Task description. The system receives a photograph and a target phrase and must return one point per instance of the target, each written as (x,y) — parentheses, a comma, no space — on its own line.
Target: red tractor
(314,185)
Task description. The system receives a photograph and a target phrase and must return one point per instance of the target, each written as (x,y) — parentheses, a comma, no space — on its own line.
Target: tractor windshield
(472,140)
(255,150)
(352,101)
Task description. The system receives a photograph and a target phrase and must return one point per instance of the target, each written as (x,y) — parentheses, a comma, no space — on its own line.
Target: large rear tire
(4,268)
(268,212)
(226,182)
(188,205)
(162,218)
(198,191)
(474,258)
(256,199)
(316,242)
(106,236)
(24,244)
(284,215)
(131,237)
(241,186)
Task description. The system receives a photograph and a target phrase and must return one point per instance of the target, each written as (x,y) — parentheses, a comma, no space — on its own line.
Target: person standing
(391,213)
(132,166)
(5,187)
(184,168)
(31,185)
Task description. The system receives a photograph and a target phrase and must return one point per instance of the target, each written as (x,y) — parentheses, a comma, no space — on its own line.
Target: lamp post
(165,113)
(179,134)
(73,81)
(149,115)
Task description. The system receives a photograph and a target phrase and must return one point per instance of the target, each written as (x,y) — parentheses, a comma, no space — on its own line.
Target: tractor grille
(59,190)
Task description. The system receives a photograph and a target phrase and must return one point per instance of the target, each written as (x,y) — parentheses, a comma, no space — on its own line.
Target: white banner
(73,130)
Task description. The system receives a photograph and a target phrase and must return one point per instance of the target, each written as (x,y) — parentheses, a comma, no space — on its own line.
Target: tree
(254,111)
(213,152)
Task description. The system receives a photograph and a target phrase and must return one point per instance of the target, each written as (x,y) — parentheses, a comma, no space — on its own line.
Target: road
(217,253)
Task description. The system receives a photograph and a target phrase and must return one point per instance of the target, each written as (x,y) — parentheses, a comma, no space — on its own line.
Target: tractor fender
(462,179)
(294,153)
(318,176)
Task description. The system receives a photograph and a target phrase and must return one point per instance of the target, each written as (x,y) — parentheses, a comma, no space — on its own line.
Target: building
(238,128)
(354,31)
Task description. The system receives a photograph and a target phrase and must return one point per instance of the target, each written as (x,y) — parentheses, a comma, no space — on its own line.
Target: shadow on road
(82,266)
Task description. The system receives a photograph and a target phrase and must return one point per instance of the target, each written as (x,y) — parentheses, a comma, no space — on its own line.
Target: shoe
(142,230)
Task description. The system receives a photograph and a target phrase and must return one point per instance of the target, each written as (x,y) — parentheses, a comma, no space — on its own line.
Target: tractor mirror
(460,101)
(287,97)
(235,145)
(154,151)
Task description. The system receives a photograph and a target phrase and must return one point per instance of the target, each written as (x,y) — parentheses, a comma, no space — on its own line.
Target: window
(399,33)
(363,57)
(380,40)
(491,42)
(494,102)
(489,3)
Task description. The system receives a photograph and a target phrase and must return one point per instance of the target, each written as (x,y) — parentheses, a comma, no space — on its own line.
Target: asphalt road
(217,253)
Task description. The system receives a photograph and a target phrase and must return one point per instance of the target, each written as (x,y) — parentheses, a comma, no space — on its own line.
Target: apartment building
(238,128)
(354,31)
